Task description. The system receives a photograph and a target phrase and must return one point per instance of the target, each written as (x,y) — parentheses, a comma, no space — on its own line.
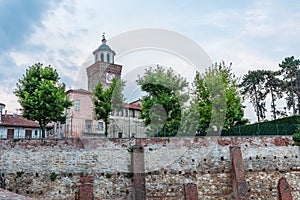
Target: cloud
(9,71)
(64,33)
(9,99)
(272,18)
(18,20)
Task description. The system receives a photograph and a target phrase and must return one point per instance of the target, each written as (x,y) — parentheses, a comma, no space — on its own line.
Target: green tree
(162,107)
(290,70)
(217,98)
(252,86)
(41,96)
(107,100)
(273,86)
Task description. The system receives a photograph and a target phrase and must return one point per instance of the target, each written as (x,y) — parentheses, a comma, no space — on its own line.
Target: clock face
(109,77)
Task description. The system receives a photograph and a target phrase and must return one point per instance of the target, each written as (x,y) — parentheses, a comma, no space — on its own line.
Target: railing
(261,130)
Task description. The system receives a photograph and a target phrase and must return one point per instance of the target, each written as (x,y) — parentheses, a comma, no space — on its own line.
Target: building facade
(127,122)
(80,118)
(14,126)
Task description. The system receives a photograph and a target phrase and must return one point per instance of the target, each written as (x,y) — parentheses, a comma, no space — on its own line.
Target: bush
(53,176)
(108,175)
(296,136)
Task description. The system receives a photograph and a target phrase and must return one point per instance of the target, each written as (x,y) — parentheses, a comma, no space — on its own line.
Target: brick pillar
(238,174)
(284,189)
(190,191)
(86,188)
(138,170)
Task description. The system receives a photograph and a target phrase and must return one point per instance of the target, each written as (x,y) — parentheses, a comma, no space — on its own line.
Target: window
(77,105)
(132,114)
(100,126)
(88,126)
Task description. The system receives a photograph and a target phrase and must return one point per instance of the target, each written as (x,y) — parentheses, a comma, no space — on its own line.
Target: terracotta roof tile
(81,91)
(132,106)
(20,121)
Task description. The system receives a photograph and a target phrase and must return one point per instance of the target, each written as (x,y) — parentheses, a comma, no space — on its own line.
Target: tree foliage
(253,88)
(162,107)
(257,84)
(273,86)
(290,70)
(217,99)
(41,96)
(105,101)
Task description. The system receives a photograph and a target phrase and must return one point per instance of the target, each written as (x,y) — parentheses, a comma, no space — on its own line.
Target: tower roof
(104,46)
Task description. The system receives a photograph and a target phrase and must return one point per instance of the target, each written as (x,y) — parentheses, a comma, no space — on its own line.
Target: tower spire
(103,38)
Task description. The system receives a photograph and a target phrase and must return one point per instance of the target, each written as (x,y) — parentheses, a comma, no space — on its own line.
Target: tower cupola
(104,52)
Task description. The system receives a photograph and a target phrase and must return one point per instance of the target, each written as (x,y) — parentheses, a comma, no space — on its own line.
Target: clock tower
(104,69)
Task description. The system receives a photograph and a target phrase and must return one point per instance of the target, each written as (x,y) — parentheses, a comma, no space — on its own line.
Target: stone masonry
(55,169)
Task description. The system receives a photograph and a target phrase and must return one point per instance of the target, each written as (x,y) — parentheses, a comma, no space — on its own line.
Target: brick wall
(169,166)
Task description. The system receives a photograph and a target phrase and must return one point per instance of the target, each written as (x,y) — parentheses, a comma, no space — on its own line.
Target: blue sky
(250,34)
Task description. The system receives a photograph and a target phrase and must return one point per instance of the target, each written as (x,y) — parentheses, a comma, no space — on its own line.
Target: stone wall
(27,166)
(169,164)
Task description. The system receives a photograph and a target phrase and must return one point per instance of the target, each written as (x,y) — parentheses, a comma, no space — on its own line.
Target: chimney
(1,108)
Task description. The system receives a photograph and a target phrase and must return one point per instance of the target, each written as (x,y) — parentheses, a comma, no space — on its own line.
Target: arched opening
(108,60)
(102,57)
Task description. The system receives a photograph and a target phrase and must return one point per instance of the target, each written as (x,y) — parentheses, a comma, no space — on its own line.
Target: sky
(250,34)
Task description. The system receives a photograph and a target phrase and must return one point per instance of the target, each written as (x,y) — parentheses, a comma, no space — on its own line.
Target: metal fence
(261,130)
(138,130)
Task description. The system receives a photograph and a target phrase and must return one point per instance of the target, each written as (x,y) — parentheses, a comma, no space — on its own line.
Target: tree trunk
(293,100)
(273,104)
(43,130)
(298,91)
(106,133)
(257,106)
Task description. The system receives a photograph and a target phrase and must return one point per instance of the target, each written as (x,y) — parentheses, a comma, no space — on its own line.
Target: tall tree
(41,96)
(273,86)
(253,88)
(290,70)
(217,98)
(106,100)
(162,106)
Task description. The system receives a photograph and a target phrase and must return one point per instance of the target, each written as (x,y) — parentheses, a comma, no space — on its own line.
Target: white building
(17,127)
